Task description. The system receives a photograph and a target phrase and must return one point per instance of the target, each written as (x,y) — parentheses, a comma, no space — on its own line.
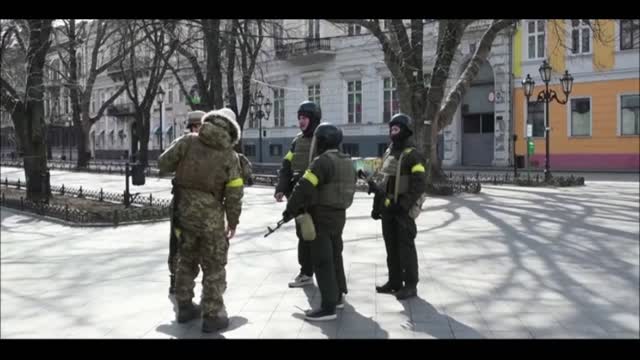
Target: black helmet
(313,112)
(402,120)
(328,136)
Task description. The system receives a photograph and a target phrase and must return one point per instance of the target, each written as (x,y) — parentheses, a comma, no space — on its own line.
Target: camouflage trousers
(209,250)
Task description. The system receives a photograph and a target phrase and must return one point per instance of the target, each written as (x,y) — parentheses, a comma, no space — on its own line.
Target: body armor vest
(301,154)
(196,170)
(400,183)
(340,190)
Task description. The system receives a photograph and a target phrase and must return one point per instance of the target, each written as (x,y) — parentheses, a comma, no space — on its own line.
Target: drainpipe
(511,94)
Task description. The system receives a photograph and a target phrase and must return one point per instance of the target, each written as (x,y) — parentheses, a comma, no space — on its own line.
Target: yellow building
(599,126)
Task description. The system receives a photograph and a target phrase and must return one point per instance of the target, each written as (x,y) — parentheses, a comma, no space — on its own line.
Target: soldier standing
(326,190)
(294,164)
(404,183)
(209,180)
(194,119)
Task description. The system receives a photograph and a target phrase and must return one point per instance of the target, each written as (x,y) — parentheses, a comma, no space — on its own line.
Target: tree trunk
(83,141)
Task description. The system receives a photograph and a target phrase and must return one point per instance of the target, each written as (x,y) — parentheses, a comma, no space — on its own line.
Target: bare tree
(426,103)
(145,64)
(230,49)
(25,102)
(95,36)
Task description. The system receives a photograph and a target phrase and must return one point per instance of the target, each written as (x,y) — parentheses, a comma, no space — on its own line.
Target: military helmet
(328,136)
(310,110)
(402,120)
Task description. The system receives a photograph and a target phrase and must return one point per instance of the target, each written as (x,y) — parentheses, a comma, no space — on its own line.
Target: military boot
(187,312)
(172,284)
(216,323)
(387,288)
(406,292)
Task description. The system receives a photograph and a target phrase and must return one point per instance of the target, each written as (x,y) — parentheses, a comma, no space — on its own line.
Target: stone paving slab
(509,262)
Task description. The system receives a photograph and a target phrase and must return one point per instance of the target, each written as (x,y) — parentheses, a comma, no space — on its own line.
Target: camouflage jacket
(208,176)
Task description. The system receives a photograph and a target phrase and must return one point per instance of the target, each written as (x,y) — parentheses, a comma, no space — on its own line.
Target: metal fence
(99,195)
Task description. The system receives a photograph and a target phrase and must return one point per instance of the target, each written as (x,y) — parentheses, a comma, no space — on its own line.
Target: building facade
(342,68)
(599,126)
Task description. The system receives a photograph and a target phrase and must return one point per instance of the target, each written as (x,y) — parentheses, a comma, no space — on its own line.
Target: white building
(342,67)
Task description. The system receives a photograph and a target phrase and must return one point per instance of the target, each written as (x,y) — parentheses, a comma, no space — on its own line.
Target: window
(278,107)
(314,93)
(580,117)
(112,138)
(391,104)
(66,101)
(535,37)
(535,116)
(278,34)
(354,102)
(170,95)
(314,29)
(47,108)
(250,150)
(630,114)
(93,104)
(180,95)
(629,34)
(275,150)
(386,24)
(580,37)
(382,147)
(353,29)
(351,149)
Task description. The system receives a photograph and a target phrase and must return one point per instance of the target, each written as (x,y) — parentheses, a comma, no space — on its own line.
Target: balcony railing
(302,48)
(120,110)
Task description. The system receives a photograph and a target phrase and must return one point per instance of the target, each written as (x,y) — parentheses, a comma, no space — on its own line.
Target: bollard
(62,190)
(150,200)
(101,196)
(537,178)
(80,192)
(18,184)
(6,182)
(115,217)
(66,212)
(21,203)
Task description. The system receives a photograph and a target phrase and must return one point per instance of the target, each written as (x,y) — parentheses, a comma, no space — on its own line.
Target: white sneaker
(340,304)
(301,280)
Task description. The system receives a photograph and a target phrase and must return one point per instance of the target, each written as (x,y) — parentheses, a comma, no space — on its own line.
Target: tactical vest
(340,190)
(197,169)
(301,154)
(390,169)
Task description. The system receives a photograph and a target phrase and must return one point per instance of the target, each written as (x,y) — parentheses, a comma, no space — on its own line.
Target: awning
(157,131)
(169,130)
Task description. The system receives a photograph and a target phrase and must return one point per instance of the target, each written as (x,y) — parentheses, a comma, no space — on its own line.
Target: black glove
(287,216)
(375,215)
(372,187)
(395,208)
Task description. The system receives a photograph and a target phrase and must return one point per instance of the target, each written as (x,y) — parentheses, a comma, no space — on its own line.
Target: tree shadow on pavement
(339,328)
(425,319)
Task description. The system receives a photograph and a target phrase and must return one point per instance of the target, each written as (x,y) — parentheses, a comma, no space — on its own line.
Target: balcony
(309,50)
(121,110)
(142,67)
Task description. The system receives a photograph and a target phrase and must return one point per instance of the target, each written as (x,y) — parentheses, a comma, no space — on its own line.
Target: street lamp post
(546,96)
(259,114)
(160,101)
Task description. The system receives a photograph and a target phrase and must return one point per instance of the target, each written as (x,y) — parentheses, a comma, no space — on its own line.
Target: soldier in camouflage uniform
(294,164)
(209,180)
(194,120)
(325,191)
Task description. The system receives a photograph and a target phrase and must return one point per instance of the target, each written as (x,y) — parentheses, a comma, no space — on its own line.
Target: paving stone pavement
(509,262)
